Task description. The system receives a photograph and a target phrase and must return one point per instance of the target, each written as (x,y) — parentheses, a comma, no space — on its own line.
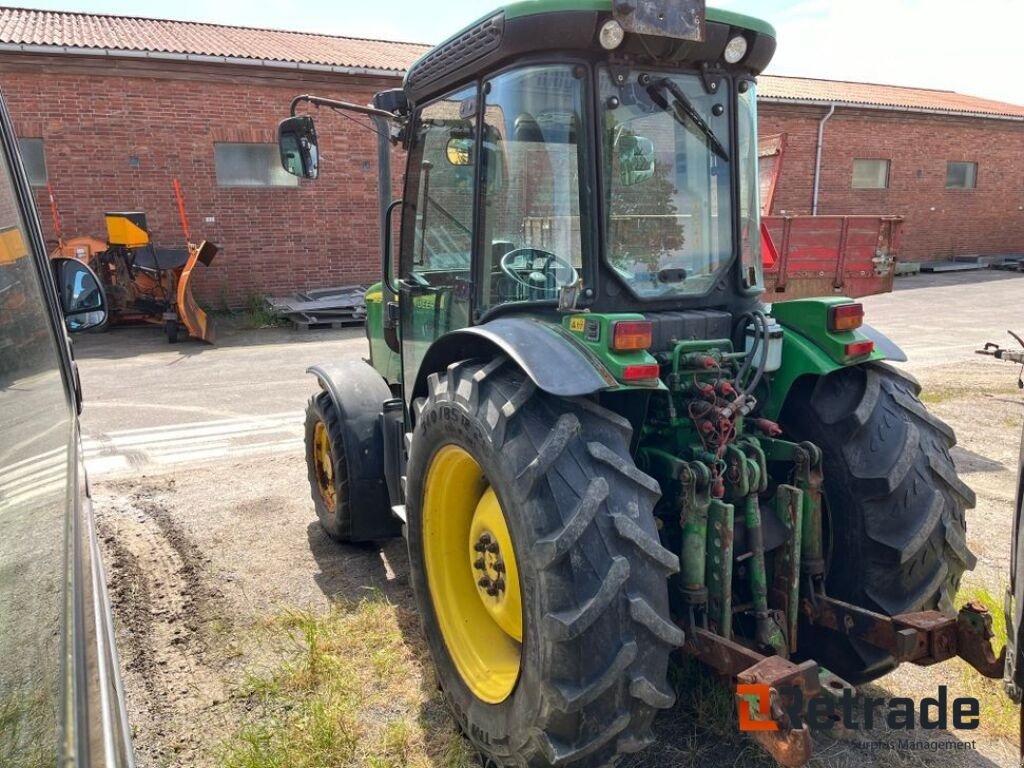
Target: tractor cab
(600,445)
(563,155)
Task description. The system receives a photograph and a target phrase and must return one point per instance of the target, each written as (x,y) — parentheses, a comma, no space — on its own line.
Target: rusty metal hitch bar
(788,745)
(923,638)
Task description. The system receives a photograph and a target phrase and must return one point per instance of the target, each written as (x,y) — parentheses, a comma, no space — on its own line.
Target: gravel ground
(195,457)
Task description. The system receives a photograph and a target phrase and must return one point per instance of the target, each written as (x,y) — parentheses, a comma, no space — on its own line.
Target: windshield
(667,182)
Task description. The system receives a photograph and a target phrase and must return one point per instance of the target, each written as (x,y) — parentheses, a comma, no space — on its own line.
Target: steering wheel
(540,280)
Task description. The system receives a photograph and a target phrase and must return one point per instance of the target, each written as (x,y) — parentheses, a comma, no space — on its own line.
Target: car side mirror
(81,296)
(296,139)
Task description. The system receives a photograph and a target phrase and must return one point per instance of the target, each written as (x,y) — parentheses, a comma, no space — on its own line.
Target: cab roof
(530,26)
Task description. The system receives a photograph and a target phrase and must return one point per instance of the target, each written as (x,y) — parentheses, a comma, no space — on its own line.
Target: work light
(736,49)
(611,35)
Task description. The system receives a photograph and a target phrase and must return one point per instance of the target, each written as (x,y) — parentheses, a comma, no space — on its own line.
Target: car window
(36,424)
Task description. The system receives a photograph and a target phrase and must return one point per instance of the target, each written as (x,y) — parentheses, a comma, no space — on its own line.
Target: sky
(970,46)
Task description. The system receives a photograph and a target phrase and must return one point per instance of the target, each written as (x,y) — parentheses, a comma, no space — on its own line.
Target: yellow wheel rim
(472,574)
(324,465)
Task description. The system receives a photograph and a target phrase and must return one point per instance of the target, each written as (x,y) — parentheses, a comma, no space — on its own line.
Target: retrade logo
(748,694)
(824,711)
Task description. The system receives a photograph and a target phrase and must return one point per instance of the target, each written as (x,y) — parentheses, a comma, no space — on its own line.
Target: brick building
(952,165)
(110,109)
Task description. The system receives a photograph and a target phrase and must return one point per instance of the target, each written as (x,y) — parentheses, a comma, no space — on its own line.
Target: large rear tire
(894,506)
(584,684)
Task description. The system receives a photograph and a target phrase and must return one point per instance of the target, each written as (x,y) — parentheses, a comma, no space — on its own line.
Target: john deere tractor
(601,446)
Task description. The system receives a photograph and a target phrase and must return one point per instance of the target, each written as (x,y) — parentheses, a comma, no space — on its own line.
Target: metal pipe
(817,158)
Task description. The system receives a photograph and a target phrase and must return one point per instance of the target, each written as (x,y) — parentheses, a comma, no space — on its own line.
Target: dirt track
(197,471)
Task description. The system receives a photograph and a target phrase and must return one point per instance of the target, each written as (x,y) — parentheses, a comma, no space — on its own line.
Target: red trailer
(822,255)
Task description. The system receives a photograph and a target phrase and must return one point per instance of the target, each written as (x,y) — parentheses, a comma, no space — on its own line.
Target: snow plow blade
(199,325)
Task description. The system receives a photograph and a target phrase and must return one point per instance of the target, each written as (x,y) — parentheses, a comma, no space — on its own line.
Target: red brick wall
(987,219)
(94,116)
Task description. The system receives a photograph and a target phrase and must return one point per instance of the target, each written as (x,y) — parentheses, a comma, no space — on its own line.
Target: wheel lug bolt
(479,547)
(499,566)
(485,583)
(492,548)
(492,591)
(479,564)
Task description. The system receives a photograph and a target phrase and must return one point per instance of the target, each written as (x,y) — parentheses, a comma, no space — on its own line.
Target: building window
(34,158)
(961,175)
(870,174)
(251,165)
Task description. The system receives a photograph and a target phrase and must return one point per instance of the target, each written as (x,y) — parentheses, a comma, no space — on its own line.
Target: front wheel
(538,571)
(894,506)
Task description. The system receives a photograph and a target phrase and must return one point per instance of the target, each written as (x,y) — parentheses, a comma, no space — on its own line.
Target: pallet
(325,323)
(904,268)
(950,266)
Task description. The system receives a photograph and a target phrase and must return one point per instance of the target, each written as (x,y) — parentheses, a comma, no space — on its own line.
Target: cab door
(437,227)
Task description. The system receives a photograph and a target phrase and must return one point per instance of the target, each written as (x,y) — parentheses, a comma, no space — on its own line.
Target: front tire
(895,508)
(327,468)
(585,682)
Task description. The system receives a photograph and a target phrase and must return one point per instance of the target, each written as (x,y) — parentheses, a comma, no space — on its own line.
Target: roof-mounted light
(611,35)
(736,50)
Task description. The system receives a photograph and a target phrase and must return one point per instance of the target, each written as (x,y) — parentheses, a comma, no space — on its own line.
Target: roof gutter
(817,158)
(887,108)
(69,50)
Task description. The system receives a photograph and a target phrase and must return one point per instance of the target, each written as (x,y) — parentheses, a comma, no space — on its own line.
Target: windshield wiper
(682,109)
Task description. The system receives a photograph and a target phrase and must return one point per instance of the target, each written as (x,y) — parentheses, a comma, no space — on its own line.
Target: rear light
(860,348)
(629,335)
(845,317)
(641,372)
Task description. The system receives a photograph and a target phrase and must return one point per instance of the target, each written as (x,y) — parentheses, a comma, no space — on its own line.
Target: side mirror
(636,159)
(459,151)
(80,293)
(296,138)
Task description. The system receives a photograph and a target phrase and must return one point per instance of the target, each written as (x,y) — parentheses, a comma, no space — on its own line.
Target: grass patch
(256,314)
(999,715)
(349,689)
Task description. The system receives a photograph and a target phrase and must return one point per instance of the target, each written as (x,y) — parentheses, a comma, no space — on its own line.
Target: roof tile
(869,94)
(123,33)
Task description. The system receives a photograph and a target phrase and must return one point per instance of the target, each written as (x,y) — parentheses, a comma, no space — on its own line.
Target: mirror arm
(386,280)
(321,101)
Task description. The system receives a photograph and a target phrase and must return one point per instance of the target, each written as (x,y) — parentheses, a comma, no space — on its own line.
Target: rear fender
(802,357)
(556,362)
(359,393)
(809,348)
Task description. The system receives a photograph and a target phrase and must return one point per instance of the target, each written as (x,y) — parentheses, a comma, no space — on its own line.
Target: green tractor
(601,446)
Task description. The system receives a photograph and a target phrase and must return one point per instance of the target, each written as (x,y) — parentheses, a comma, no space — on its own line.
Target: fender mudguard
(551,357)
(359,393)
(802,357)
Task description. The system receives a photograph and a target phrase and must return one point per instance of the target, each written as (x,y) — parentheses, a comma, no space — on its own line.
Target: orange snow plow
(144,282)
